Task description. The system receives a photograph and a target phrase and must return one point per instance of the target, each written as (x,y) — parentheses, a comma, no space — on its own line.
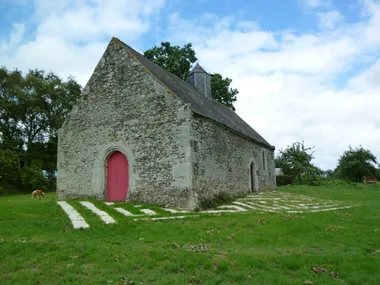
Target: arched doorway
(117,177)
(252,176)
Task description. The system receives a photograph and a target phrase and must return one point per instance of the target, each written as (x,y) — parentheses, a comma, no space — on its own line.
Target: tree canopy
(221,90)
(178,60)
(174,59)
(356,163)
(296,159)
(32,109)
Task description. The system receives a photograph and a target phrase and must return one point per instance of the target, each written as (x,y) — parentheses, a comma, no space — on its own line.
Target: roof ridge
(120,41)
(198,68)
(188,94)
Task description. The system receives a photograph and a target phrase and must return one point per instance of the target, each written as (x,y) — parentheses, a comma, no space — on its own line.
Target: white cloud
(291,86)
(85,22)
(71,35)
(330,19)
(14,39)
(311,4)
(369,80)
(55,54)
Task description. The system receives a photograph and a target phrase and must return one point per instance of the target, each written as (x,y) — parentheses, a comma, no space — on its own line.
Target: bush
(339,182)
(312,180)
(282,180)
(216,200)
(33,178)
(9,165)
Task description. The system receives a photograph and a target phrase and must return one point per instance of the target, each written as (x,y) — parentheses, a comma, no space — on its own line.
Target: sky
(306,70)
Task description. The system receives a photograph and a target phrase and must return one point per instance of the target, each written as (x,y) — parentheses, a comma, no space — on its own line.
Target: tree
(296,160)
(174,59)
(221,90)
(329,174)
(32,108)
(356,163)
(178,61)
(10,88)
(9,165)
(377,174)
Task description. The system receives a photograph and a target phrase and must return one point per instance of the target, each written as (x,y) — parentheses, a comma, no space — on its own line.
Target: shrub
(339,182)
(33,178)
(216,200)
(284,180)
(312,180)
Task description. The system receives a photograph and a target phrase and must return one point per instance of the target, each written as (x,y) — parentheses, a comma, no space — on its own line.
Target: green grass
(39,246)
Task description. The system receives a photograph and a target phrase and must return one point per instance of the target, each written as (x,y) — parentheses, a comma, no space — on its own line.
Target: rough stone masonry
(183,148)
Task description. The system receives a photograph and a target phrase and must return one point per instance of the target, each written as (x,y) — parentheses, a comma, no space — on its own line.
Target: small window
(194,145)
(263,160)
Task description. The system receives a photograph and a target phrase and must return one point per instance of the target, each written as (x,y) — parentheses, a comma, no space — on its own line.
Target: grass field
(38,244)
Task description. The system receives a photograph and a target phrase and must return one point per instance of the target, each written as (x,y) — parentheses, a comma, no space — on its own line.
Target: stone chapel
(140,133)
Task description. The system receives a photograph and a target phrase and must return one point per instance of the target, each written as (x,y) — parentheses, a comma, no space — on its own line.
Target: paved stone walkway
(277,202)
(76,219)
(272,201)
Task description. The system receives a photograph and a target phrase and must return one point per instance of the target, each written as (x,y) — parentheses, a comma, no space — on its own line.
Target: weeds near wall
(216,200)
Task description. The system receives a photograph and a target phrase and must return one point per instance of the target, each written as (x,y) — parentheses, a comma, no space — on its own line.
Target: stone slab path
(277,202)
(272,201)
(76,219)
(102,215)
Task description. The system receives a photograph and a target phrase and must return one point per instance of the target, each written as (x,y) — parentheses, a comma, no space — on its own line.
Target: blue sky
(306,69)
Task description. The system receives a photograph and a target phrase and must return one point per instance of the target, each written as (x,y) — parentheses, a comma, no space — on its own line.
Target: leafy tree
(10,88)
(174,59)
(377,174)
(313,176)
(178,60)
(356,163)
(9,164)
(33,178)
(221,90)
(296,160)
(329,174)
(32,108)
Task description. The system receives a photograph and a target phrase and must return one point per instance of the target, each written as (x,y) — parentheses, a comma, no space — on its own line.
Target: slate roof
(198,68)
(199,104)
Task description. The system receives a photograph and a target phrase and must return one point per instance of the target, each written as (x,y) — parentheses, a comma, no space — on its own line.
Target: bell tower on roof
(201,80)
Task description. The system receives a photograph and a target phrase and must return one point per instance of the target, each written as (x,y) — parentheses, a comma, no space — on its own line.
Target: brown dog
(37,193)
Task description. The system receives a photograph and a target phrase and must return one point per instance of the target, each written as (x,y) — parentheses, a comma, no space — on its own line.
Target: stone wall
(124,108)
(176,158)
(222,159)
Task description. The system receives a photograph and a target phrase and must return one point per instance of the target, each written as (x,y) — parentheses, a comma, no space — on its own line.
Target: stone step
(101,214)
(76,219)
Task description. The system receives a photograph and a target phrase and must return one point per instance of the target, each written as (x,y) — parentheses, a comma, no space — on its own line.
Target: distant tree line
(353,165)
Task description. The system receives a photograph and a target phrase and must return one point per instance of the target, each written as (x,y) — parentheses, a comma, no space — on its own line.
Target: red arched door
(117,177)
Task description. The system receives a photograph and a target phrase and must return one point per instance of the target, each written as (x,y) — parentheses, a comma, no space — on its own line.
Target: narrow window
(194,145)
(263,160)
(252,175)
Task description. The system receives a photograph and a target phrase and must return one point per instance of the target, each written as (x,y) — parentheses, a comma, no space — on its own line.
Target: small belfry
(201,80)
